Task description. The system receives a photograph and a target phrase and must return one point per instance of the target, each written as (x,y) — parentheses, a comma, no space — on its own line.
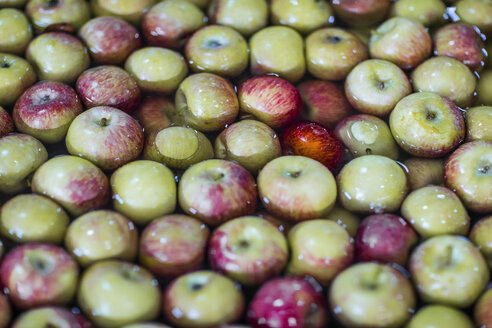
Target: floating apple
(129,10)
(245,16)
(304,16)
(481,237)
(16,31)
(153,113)
(16,75)
(45,13)
(476,12)
(361,12)
(482,313)
(424,171)
(440,316)
(348,220)
(49,316)
(427,12)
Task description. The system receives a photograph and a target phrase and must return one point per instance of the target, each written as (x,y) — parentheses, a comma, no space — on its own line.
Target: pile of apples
(245,163)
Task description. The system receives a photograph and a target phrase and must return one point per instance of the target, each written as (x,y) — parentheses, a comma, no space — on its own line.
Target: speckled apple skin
(6,123)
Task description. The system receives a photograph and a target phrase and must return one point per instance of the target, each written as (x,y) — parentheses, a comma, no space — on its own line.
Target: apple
(110,40)
(426,124)
(447,76)
(282,225)
(312,140)
(372,295)
(143,190)
(5,311)
(16,32)
(476,12)
(106,136)
(146,325)
(58,56)
(216,191)
(37,274)
(33,218)
(278,50)
(448,270)
(248,249)
(217,49)
(435,210)
(462,42)
(304,16)
(46,111)
(45,13)
(384,238)
(424,171)
(402,41)
(12,3)
(6,123)
(440,316)
(129,10)
(468,173)
(372,184)
(297,188)
(16,75)
(250,143)
(116,293)
(484,95)
(482,312)
(202,299)
(324,102)
(288,302)
(156,70)
(347,220)
(360,12)
(426,12)
(153,113)
(48,316)
(206,102)
(108,86)
(320,249)
(331,53)
(73,182)
(245,16)
(365,135)
(481,237)
(375,86)
(20,156)
(270,99)
(169,23)
(172,245)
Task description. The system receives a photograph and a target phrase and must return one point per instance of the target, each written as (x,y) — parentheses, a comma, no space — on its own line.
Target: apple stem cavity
(334,39)
(371,282)
(5,65)
(213,44)
(294,174)
(45,99)
(52,3)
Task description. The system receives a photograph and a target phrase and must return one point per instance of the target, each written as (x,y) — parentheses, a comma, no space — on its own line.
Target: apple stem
(449,254)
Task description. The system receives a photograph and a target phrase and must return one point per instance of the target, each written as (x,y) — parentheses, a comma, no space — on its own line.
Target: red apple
(39,274)
(6,123)
(361,12)
(270,99)
(154,113)
(324,102)
(216,191)
(105,136)
(313,140)
(108,86)
(288,302)
(46,110)
(384,238)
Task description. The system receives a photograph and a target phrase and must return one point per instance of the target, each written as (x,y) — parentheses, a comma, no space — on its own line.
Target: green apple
(372,184)
(202,299)
(440,316)
(476,12)
(33,218)
(16,31)
(129,10)
(206,102)
(320,249)
(157,69)
(245,16)
(12,3)
(20,156)
(484,90)
(116,293)
(16,75)
(331,53)
(178,147)
(143,190)
(481,236)
(250,143)
(146,325)
(278,50)
(427,12)
(447,76)
(435,210)
(49,316)
(478,123)
(44,13)
(101,235)
(58,56)
(448,270)
(424,171)
(348,220)
(304,16)
(217,49)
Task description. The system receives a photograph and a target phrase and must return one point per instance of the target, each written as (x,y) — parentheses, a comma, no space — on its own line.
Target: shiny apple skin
(44,14)
(246,16)
(482,238)
(288,302)
(153,113)
(361,12)
(16,75)
(110,40)
(440,316)
(478,123)
(129,10)
(6,123)
(50,315)
(313,140)
(32,283)
(422,172)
